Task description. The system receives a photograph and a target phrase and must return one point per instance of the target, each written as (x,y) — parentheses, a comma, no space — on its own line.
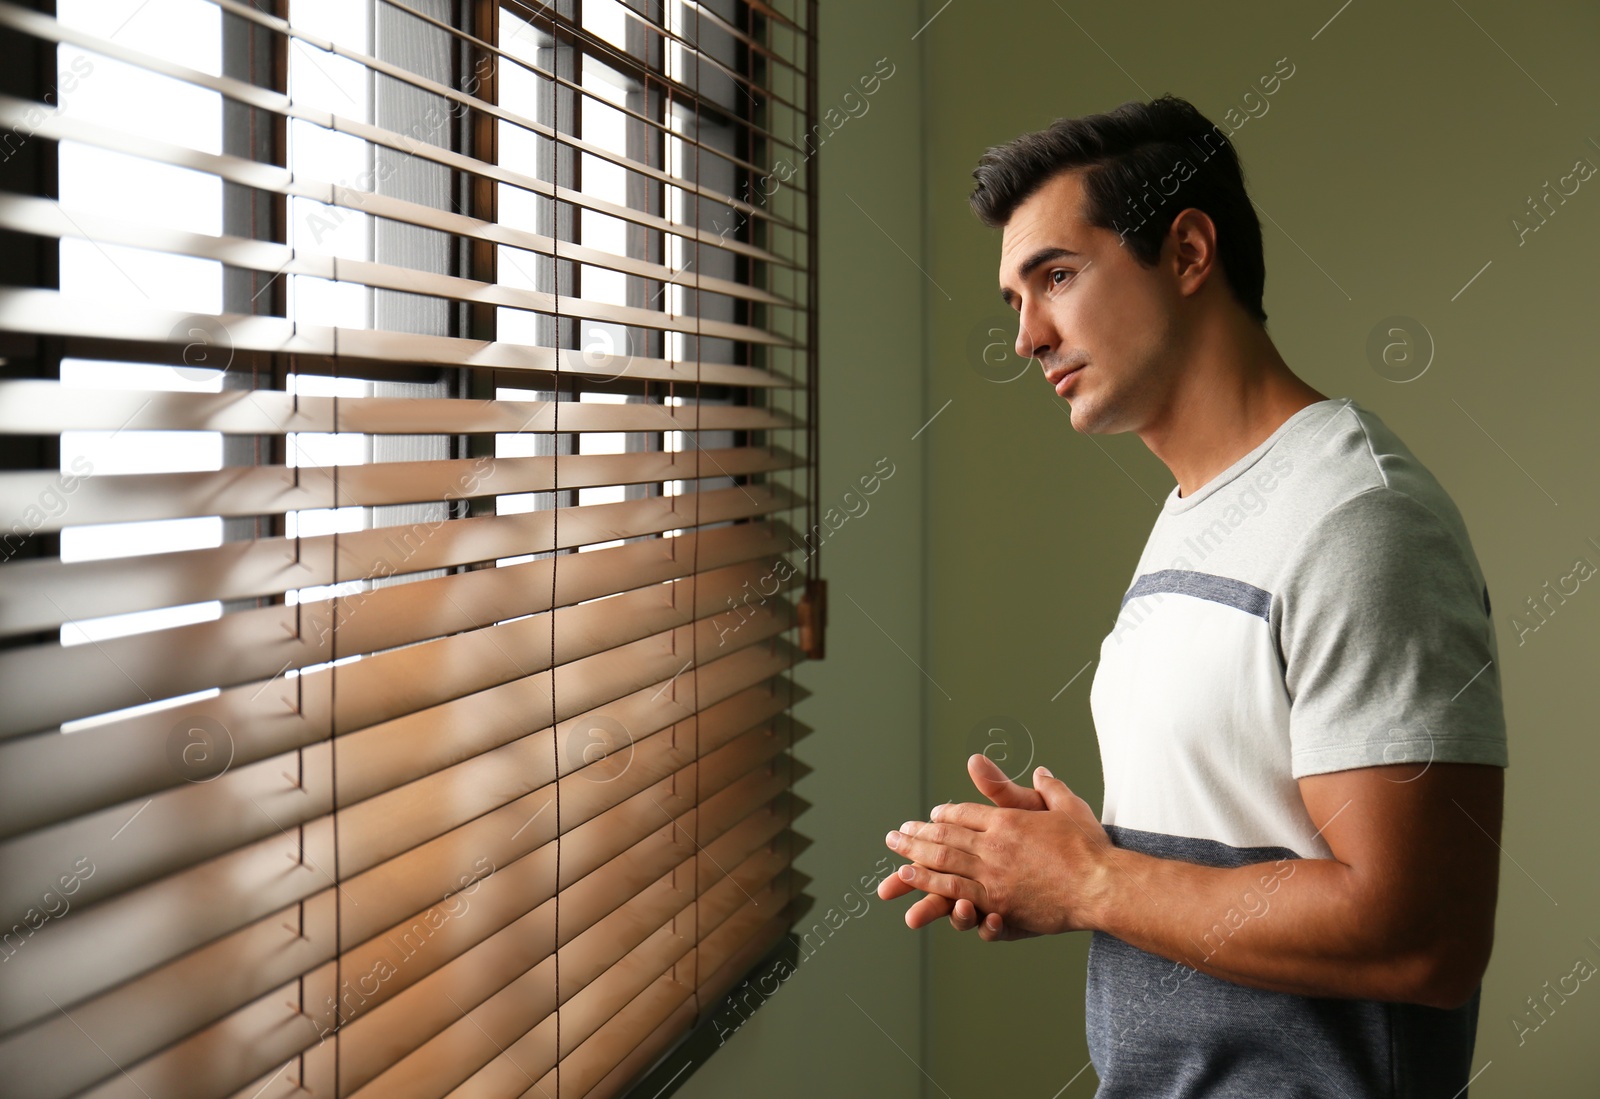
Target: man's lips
(1063,377)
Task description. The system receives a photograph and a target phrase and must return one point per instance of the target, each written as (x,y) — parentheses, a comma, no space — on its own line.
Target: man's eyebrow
(1033,262)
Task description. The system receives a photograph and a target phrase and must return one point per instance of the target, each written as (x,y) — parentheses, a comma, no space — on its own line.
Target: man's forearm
(1297,925)
(1402,912)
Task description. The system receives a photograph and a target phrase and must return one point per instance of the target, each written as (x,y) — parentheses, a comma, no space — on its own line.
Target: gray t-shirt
(1315,607)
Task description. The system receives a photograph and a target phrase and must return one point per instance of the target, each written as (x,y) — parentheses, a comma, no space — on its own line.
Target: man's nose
(1032,335)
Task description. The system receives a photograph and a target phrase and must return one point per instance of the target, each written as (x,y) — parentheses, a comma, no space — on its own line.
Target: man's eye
(1059,278)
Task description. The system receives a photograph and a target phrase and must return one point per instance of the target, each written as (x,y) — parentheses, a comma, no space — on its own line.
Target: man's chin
(1085,421)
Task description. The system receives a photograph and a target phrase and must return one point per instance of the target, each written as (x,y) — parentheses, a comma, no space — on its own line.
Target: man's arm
(1403,912)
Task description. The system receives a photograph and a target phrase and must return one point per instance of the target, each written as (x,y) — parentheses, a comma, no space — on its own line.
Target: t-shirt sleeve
(1388,649)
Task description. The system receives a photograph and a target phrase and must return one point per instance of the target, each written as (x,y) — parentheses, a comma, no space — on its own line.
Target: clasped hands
(1036,862)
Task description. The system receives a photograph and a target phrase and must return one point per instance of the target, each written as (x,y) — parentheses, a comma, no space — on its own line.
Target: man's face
(1084,299)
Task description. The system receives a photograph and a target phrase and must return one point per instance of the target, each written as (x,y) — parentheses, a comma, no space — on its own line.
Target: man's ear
(1194,242)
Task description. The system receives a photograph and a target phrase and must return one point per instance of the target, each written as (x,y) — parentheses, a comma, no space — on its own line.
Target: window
(409,420)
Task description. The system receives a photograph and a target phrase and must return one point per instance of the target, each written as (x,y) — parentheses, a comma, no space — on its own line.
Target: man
(1291,885)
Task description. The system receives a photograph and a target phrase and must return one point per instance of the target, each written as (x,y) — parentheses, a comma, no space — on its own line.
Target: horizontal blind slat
(91,967)
(587,1011)
(50,30)
(55,125)
(584,1068)
(680,91)
(275,639)
(257,802)
(419,1043)
(29,216)
(33,407)
(274,1026)
(158,921)
(106,764)
(274,490)
(239,570)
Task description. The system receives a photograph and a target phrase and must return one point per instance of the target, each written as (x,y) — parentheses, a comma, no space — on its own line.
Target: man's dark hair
(1133,160)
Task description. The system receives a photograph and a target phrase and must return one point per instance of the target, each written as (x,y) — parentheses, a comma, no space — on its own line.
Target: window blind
(409,532)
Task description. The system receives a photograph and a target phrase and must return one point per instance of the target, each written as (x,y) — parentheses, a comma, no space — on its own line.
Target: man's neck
(1219,411)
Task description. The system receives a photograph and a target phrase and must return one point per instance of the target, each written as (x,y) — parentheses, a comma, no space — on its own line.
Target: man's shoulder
(1352,467)
(1339,487)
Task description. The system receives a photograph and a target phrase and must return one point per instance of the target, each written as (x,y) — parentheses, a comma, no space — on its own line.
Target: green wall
(1389,168)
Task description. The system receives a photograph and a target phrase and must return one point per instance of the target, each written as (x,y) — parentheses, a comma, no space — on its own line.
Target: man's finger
(928,910)
(946,835)
(964,915)
(993,928)
(894,886)
(935,856)
(993,784)
(946,885)
(967,814)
